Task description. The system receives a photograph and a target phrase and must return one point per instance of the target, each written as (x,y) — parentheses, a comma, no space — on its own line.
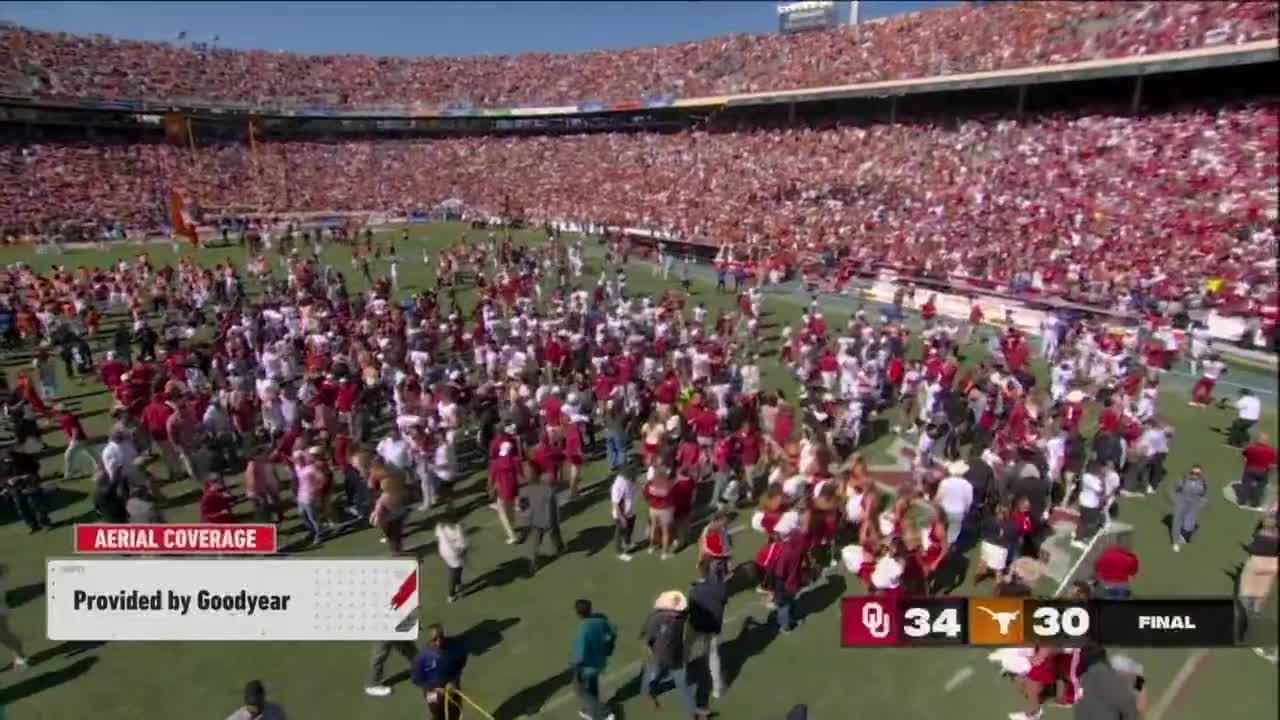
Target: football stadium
(913,366)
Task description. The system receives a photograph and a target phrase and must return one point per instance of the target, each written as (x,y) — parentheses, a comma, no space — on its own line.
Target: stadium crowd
(965,39)
(1098,207)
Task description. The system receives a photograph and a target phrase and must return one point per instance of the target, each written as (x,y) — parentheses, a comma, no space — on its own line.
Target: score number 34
(918,622)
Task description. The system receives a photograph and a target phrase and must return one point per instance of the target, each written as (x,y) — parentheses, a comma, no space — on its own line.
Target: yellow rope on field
(451,691)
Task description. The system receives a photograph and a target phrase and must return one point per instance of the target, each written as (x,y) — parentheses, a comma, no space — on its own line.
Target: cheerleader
(658,493)
(1210,371)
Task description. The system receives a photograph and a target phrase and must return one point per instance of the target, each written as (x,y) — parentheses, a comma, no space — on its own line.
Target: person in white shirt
(395,450)
(622,495)
(1061,378)
(1145,470)
(750,373)
(451,543)
(1093,500)
(1248,410)
(119,456)
(1146,409)
(954,496)
(1200,339)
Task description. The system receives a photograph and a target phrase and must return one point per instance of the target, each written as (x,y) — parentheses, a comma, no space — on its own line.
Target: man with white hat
(664,639)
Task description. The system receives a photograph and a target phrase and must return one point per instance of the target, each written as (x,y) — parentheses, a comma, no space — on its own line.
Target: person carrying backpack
(591,650)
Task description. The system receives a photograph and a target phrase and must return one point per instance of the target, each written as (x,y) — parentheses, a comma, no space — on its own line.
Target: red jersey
(155,418)
(1116,565)
(1259,456)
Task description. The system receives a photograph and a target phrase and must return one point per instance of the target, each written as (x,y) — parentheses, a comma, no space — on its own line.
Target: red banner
(199,539)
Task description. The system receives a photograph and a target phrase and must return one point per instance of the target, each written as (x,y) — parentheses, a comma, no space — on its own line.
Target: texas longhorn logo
(995,621)
(876,620)
(1004,619)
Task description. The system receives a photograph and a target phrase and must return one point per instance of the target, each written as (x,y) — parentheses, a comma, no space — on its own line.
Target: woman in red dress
(1049,665)
(573,454)
(659,494)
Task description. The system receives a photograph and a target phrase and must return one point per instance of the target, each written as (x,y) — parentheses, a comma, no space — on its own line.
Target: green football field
(519,630)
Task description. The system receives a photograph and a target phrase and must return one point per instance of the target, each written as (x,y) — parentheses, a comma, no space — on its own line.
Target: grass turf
(520,630)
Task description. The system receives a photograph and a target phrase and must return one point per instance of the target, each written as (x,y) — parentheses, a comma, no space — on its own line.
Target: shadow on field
(42,682)
(67,649)
(505,573)
(529,702)
(591,540)
(24,594)
(56,498)
(485,635)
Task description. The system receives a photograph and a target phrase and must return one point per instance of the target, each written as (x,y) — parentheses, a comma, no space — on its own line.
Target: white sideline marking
(959,678)
(1084,554)
(1185,672)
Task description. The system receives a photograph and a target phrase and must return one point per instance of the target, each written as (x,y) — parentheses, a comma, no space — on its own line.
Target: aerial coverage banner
(93,599)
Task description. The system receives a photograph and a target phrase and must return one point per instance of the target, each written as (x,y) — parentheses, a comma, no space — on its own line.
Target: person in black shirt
(999,534)
(982,478)
(707,600)
(146,339)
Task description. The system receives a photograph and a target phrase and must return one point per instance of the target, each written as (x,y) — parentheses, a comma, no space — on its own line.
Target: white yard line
(1170,694)
(958,678)
(1084,554)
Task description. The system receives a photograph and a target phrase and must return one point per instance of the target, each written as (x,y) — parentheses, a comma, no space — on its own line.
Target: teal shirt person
(594,645)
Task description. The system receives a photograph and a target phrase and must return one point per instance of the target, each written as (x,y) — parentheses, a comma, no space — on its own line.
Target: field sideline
(520,630)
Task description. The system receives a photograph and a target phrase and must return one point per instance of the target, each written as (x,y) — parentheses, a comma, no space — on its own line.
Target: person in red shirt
(929,310)
(1114,570)
(112,370)
(216,502)
(1259,460)
(1110,419)
(976,318)
(716,548)
(789,571)
(574,453)
(504,483)
(660,495)
(77,441)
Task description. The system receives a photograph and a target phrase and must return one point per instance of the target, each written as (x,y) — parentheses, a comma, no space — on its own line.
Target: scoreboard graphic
(872,621)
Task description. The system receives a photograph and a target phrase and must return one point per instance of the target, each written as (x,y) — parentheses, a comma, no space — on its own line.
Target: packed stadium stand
(939,42)
(1076,202)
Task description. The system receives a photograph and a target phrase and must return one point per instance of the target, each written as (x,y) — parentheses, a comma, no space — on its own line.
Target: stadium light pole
(855,12)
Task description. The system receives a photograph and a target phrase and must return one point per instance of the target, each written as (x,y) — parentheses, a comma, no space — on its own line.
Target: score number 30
(918,622)
(1051,621)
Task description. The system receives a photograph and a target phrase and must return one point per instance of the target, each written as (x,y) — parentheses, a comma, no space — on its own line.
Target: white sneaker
(1151,491)
(666,556)
(624,557)
(1024,716)
(377,691)
(1177,547)
(716,693)
(650,550)
(382,540)
(21,663)
(512,541)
